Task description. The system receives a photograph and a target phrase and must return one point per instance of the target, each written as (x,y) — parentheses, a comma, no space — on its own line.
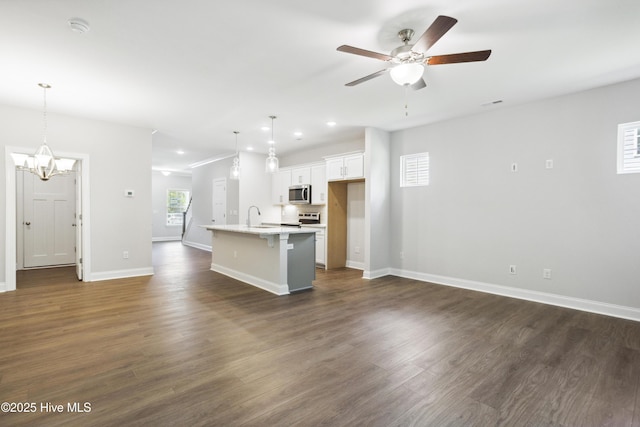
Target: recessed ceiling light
(78,25)
(180,152)
(249,148)
(331,124)
(297,134)
(265,128)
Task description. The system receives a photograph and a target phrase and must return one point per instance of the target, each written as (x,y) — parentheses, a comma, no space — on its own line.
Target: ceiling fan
(407,61)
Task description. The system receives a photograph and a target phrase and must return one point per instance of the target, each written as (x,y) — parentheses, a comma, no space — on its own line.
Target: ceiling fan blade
(363,52)
(438,28)
(420,84)
(480,55)
(369,77)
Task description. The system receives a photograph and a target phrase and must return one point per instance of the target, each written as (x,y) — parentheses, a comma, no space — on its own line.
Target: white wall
(202,193)
(377,203)
(120,158)
(160,185)
(317,153)
(476,217)
(255,189)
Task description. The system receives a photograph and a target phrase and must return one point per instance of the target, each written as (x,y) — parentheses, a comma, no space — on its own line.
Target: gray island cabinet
(280,260)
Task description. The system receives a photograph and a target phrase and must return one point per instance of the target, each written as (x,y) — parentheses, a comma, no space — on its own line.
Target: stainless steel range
(309,217)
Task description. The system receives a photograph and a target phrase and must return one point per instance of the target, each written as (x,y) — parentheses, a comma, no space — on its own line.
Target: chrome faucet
(249,214)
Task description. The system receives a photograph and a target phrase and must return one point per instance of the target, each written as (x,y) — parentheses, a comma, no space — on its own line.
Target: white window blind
(414,170)
(629,147)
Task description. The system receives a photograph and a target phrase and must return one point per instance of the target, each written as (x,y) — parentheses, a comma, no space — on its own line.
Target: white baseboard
(272,287)
(198,246)
(355,265)
(624,312)
(120,274)
(3,287)
(166,239)
(374,274)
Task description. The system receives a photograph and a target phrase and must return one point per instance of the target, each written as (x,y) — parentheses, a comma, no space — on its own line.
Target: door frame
(10,215)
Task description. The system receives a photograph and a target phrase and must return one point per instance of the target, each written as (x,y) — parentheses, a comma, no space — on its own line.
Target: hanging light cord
(44,114)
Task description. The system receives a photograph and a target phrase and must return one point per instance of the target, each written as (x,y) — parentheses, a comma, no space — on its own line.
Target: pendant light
(43,163)
(271,165)
(234,172)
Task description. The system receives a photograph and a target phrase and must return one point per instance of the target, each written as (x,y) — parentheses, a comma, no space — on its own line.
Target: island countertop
(259,229)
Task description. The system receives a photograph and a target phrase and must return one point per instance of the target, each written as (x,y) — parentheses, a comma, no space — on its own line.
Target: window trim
(178,216)
(623,148)
(422,177)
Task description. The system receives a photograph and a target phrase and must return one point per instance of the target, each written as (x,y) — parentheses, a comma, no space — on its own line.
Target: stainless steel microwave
(300,194)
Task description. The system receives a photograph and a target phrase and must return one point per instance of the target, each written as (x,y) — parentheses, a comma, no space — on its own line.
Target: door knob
(27,223)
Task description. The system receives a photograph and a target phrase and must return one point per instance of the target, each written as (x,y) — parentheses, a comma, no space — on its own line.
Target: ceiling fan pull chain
(406,100)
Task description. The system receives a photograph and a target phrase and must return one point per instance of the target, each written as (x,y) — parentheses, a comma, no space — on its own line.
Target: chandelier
(43,163)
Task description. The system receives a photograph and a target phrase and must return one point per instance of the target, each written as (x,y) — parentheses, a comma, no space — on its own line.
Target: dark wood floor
(191,347)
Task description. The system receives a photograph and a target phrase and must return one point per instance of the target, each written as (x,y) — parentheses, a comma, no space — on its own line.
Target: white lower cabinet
(320,248)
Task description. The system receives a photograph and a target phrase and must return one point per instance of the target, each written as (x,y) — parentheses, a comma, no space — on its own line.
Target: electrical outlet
(549,163)
(512,269)
(546,273)
(235,254)
(125,254)
(356,249)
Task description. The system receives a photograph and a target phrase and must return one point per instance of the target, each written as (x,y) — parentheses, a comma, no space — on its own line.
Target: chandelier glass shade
(407,74)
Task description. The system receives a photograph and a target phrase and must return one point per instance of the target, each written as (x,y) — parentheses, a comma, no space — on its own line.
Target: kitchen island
(280,260)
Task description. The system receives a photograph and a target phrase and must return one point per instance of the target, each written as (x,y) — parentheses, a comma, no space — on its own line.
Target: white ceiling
(196,70)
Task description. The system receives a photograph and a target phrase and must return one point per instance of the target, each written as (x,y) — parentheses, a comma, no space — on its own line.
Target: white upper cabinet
(301,175)
(280,183)
(318,185)
(350,166)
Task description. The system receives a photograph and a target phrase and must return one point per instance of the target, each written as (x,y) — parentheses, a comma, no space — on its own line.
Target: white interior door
(78,222)
(219,216)
(48,220)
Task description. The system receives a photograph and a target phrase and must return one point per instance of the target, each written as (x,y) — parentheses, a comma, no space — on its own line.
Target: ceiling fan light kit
(407,74)
(408,61)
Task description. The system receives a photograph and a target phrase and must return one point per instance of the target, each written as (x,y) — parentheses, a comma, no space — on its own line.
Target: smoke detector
(78,25)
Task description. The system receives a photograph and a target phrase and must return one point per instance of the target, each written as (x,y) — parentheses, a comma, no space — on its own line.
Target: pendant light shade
(271,165)
(407,74)
(234,172)
(43,163)
(272,161)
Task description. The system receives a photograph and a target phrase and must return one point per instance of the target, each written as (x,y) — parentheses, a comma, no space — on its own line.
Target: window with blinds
(629,147)
(414,170)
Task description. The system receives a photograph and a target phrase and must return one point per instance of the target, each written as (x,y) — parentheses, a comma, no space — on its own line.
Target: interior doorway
(83,227)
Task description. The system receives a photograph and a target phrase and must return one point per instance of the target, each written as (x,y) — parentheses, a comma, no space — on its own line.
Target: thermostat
(128,193)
